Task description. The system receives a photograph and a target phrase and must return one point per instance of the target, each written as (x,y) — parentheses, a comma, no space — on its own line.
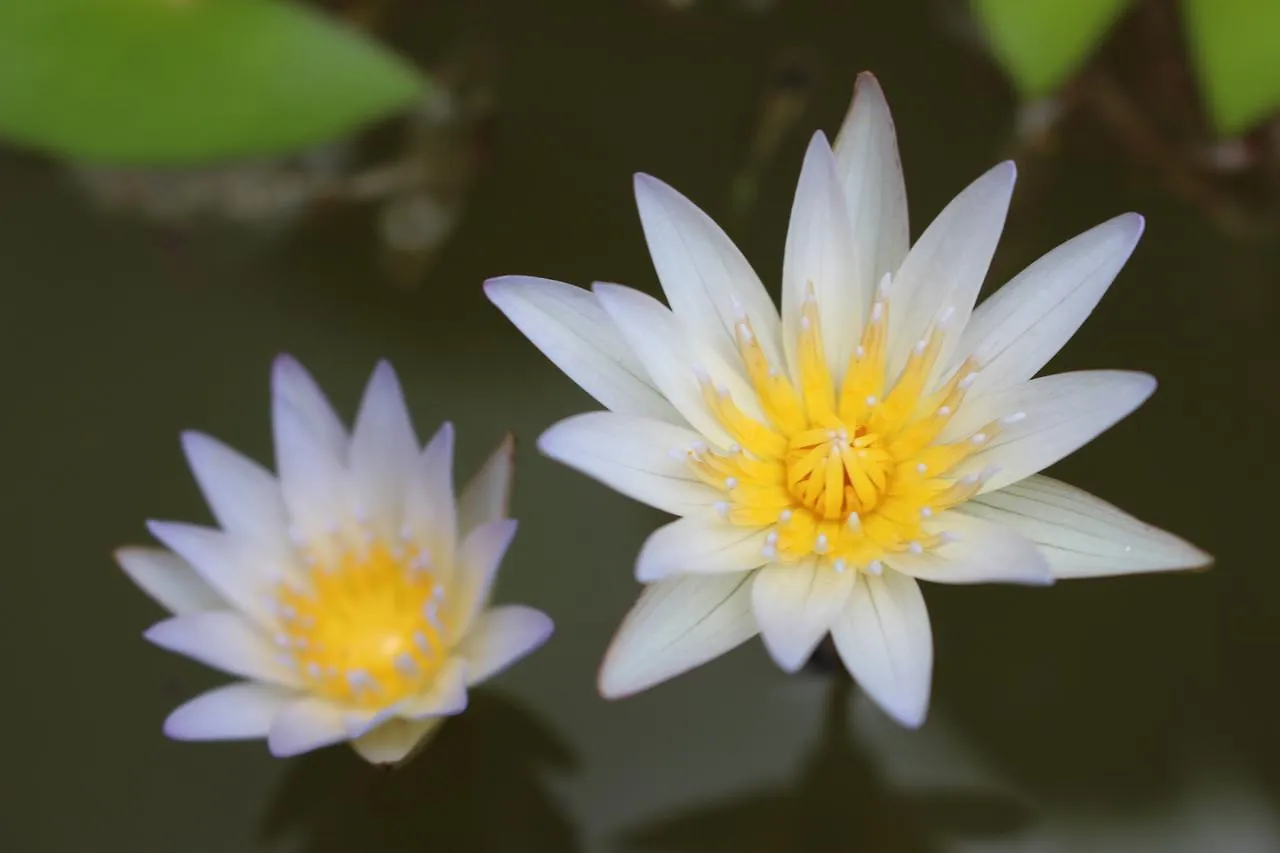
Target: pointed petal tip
(284,366)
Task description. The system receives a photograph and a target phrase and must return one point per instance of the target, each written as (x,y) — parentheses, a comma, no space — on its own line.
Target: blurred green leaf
(1236,47)
(183,81)
(1041,43)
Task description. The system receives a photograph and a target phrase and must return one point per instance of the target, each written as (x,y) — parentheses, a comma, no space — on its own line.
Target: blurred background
(189,187)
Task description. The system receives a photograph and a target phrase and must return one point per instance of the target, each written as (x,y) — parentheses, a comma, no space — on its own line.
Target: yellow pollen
(368,628)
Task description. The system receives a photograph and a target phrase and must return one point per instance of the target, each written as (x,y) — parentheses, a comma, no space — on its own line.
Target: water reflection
(478,785)
(839,801)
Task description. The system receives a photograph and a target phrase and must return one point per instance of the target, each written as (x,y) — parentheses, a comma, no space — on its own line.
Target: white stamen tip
(731,483)
(772,538)
(768,552)
(840,565)
(875,567)
(920,347)
(722,509)
(735,449)
(784,516)
(854,521)
(968,381)
(739,311)
(313,669)
(860,352)
(926,512)
(969,480)
(871,401)
(944,411)
(744,332)
(882,289)
(988,472)
(722,390)
(1014,418)
(947,537)
(979,438)
(877,312)
(406,665)
(945,317)
(422,642)
(921,467)
(805,323)
(915,548)
(283,641)
(698,447)
(822,545)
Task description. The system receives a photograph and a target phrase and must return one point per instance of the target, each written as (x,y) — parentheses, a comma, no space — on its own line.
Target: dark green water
(1125,714)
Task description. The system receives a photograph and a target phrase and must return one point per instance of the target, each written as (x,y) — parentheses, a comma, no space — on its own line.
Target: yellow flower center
(368,629)
(848,471)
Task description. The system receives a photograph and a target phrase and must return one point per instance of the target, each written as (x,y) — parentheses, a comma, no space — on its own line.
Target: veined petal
(293,386)
(1081,535)
(676,625)
(1056,415)
(500,637)
(232,571)
(866,152)
(478,560)
(244,496)
(487,494)
(1020,327)
(633,456)
(240,711)
(572,329)
(307,724)
(446,697)
(169,580)
(224,640)
(384,448)
(396,739)
(700,545)
(430,512)
(795,606)
(884,638)
(945,268)
(818,255)
(708,282)
(980,552)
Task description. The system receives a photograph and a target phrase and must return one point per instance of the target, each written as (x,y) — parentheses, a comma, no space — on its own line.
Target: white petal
(866,151)
(676,625)
(708,282)
(700,545)
(1018,329)
(571,328)
(247,583)
(487,494)
(430,512)
(1081,535)
(307,724)
(885,640)
(981,553)
(478,560)
(396,739)
(240,711)
(226,641)
(383,451)
(168,579)
(500,637)
(945,268)
(672,358)
(293,386)
(633,456)
(1059,414)
(446,696)
(818,255)
(245,498)
(795,606)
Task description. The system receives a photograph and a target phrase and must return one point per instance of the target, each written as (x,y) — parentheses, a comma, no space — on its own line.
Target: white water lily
(880,431)
(351,594)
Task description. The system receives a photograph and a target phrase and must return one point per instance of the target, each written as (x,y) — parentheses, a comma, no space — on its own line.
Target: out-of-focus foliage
(1041,43)
(1236,46)
(187,81)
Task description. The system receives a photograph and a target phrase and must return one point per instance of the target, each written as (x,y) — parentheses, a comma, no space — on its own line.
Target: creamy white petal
(982,552)
(818,256)
(1081,535)
(244,497)
(446,696)
(243,578)
(708,282)
(293,386)
(945,268)
(313,475)
(169,580)
(500,637)
(384,449)
(308,724)
(884,638)
(224,640)
(240,711)
(487,494)
(795,606)
(396,739)
(866,152)
(633,456)
(673,359)
(700,545)
(478,560)
(572,329)
(676,625)
(1056,415)
(430,512)
(1019,328)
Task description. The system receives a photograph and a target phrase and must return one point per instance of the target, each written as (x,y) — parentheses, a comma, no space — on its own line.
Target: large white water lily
(351,593)
(881,430)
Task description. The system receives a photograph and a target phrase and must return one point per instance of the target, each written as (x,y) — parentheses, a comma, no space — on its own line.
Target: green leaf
(1041,43)
(1236,48)
(164,82)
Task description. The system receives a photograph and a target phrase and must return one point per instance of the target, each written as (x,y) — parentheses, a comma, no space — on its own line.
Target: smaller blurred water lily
(351,594)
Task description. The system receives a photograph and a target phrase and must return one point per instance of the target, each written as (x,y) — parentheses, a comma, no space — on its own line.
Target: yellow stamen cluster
(367,626)
(850,473)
